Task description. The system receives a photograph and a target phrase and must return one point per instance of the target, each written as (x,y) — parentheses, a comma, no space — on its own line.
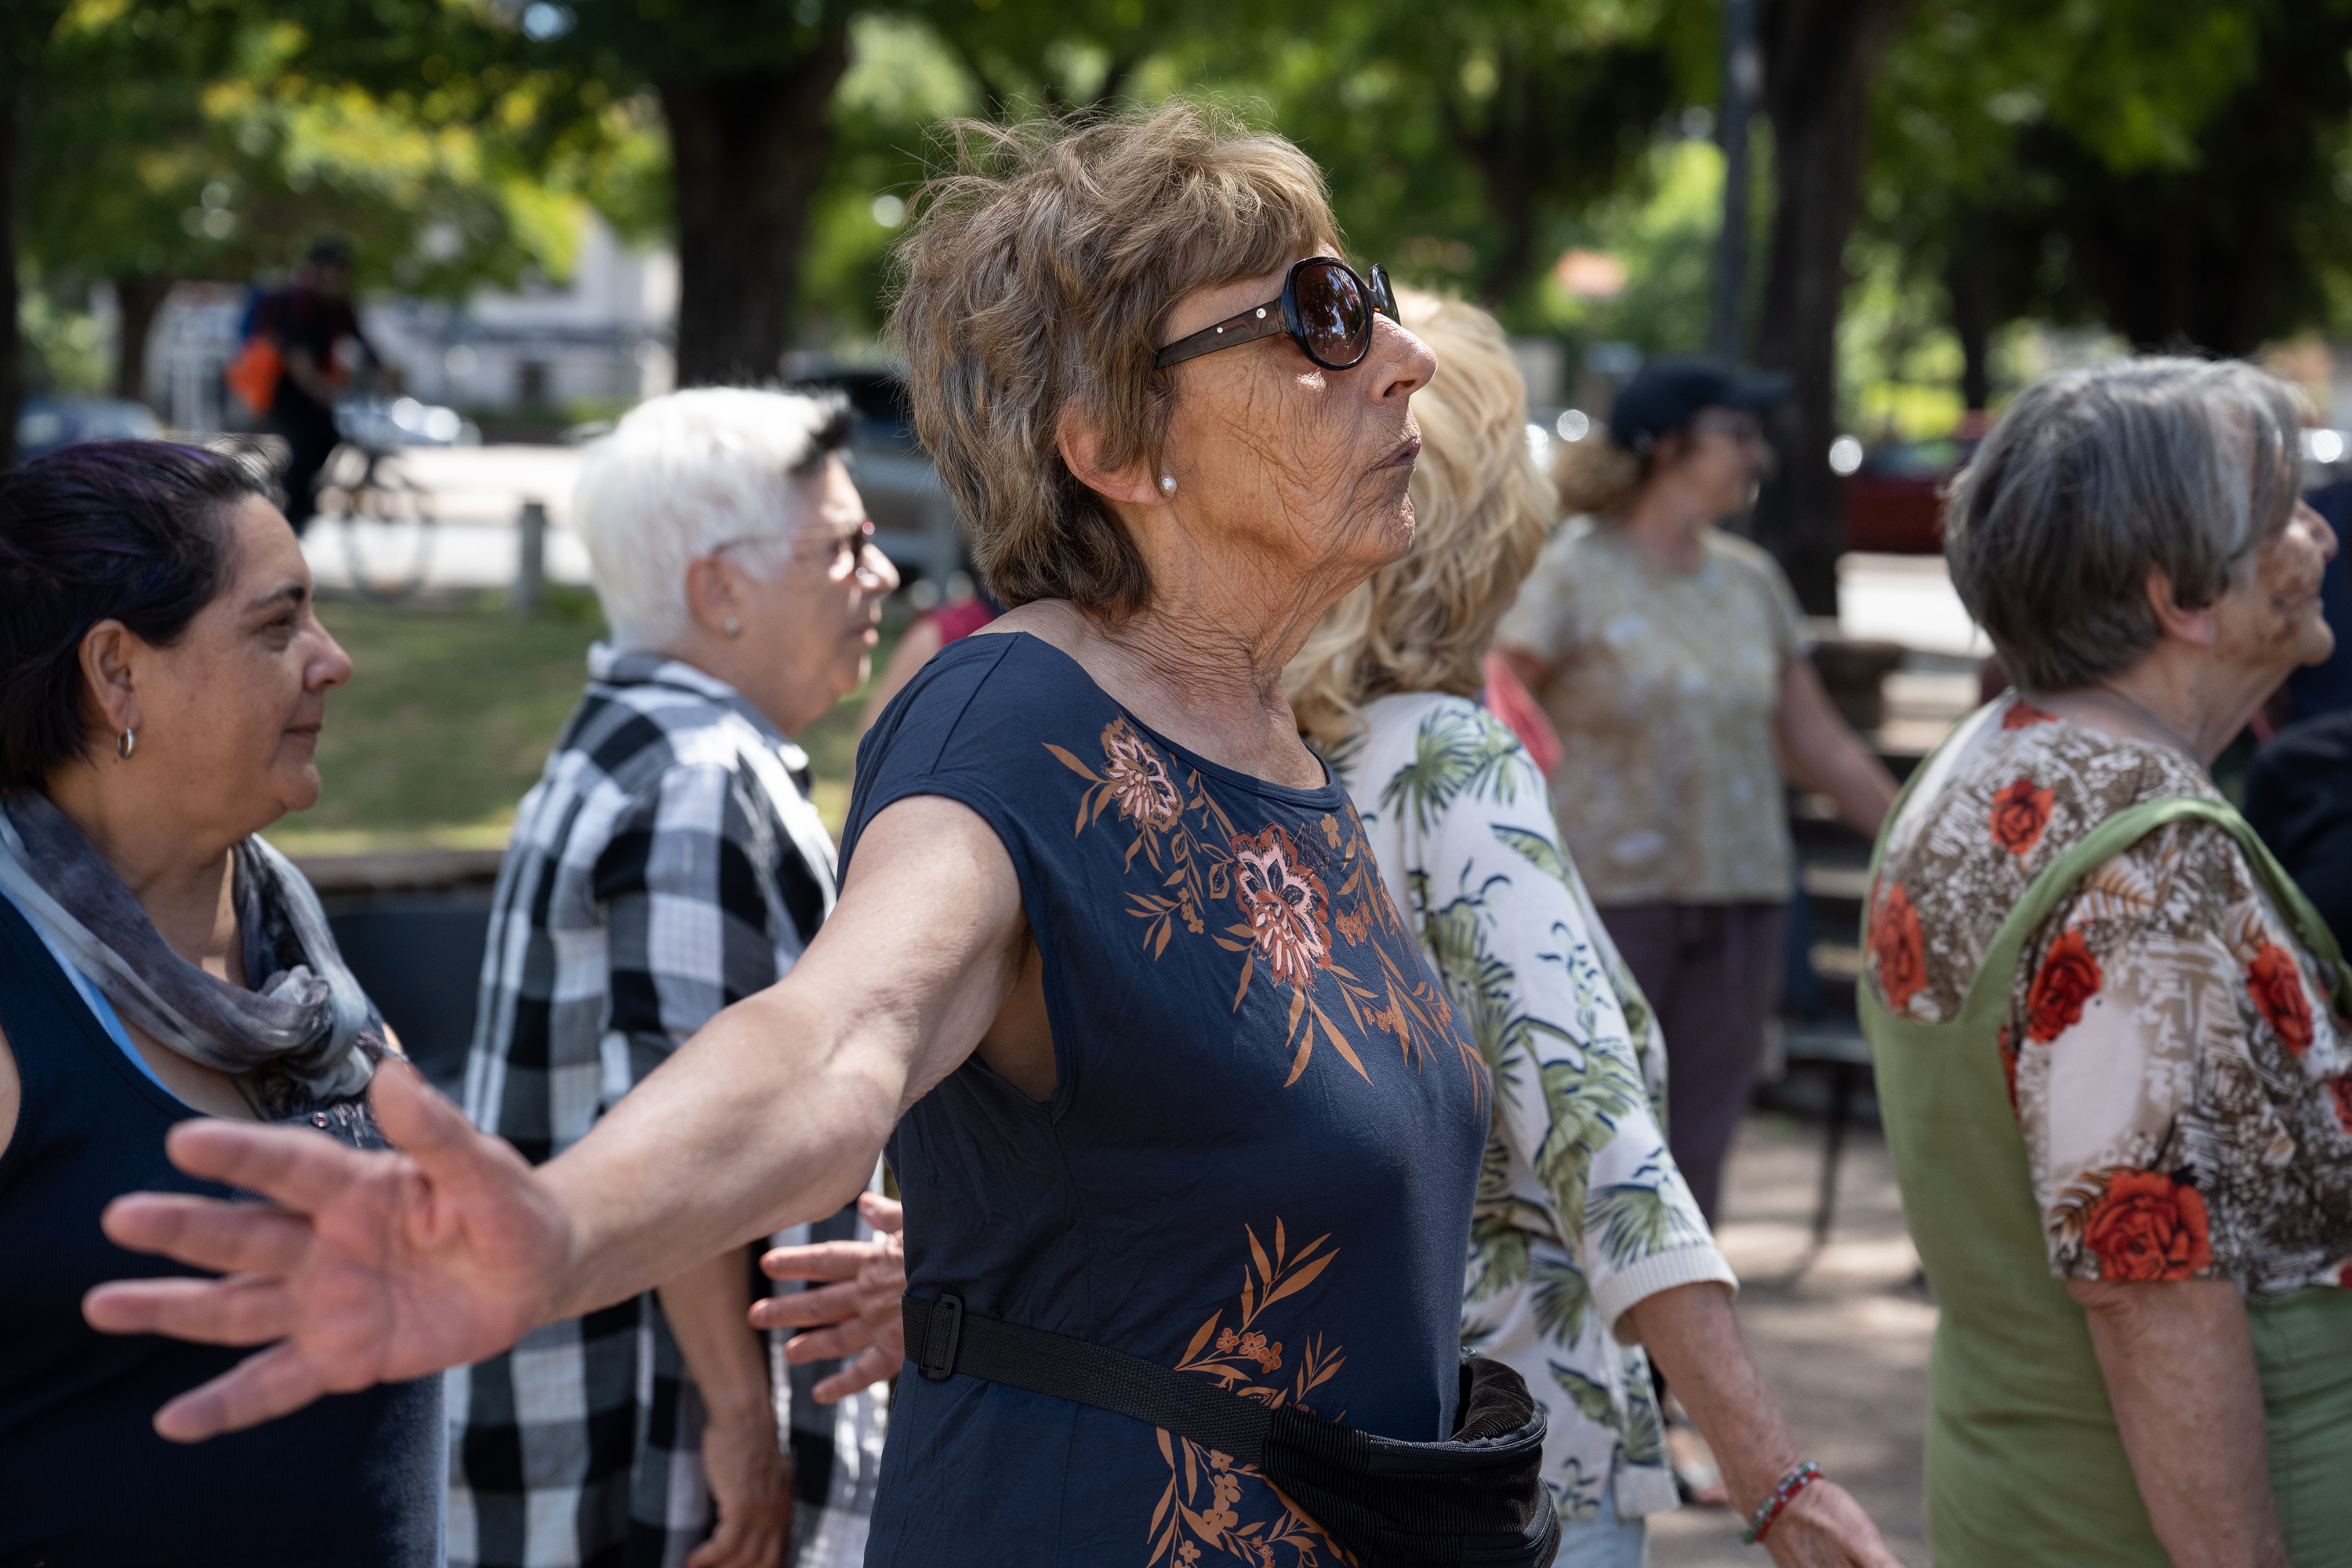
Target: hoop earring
(1168,484)
(125,743)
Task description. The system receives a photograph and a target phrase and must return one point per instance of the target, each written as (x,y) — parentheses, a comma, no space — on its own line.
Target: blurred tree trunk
(1819,59)
(1964,280)
(139,299)
(747,152)
(11,375)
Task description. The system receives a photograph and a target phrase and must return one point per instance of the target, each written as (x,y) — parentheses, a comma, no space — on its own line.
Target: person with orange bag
(298,328)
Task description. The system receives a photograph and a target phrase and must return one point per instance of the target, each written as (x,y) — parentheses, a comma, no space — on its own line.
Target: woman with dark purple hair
(162,682)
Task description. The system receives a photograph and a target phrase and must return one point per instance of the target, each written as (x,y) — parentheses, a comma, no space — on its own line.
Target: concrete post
(531,559)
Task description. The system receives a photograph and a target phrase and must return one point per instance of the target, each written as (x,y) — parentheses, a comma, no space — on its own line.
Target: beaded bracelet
(1783,1494)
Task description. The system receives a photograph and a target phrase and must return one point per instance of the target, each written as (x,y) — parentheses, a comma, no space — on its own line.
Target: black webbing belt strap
(942,1340)
(1477,1498)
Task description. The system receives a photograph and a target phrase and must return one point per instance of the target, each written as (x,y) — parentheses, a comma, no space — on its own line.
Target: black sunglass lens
(1384,294)
(1332,313)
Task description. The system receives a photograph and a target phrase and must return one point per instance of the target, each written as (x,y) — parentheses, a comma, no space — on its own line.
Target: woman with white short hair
(669,863)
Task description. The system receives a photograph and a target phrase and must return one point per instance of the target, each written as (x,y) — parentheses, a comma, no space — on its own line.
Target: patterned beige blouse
(1663,685)
(2185,1095)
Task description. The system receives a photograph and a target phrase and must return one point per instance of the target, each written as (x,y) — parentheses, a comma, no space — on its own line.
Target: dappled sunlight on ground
(1841,1337)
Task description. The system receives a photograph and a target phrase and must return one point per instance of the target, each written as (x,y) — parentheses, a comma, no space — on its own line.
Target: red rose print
(2023,713)
(2148,1226)
(2275,983)
(2343,1086)
(1894,942)
(2068,978)
(2018,815)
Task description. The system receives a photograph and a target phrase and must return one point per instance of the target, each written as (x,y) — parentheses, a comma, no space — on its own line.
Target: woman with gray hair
(667,864)
(2111,1036)
(1187,1132)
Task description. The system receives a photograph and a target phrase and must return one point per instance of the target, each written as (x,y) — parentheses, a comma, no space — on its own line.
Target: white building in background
(603,334)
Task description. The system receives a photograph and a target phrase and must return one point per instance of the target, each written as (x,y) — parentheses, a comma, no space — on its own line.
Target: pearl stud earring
(734,627)
(1168,484)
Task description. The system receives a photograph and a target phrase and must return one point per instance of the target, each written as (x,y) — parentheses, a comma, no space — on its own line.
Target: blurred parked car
(1894,501)
(45,423)
(377,423)
(914,521)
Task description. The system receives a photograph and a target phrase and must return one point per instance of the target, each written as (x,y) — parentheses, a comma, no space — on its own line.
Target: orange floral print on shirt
(1137,779)
(2022,714)
(1209,1494)
(1291,918)
(2069,976)
(2342,1087)
(2275,982)
(1896,944)
(2148,1226)
(2019,812)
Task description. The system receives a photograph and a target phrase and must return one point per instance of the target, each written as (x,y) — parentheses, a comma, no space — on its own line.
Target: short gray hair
(682,475)
(2094,477)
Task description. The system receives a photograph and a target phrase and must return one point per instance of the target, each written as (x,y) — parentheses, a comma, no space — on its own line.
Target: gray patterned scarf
(307,1033)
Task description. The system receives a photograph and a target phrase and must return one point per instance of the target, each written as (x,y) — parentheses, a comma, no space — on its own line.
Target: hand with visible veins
(856,1316)
(364,1268)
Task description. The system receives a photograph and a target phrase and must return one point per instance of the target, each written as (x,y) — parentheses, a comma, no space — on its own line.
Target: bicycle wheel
(388,526)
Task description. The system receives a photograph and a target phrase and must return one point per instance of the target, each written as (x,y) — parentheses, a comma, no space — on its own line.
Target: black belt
(1475,1498)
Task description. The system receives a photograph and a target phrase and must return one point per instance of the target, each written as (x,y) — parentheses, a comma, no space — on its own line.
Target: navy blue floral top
(1258,1161)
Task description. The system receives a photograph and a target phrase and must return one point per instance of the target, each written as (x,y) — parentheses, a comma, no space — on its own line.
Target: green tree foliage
(177,141)
(1463,152)
(2172,170)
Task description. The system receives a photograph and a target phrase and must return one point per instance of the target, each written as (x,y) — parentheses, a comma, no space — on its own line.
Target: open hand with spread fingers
(364,1268)
(855,1315)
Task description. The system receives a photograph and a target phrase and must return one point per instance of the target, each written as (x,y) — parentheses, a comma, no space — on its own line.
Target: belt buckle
(939,1361)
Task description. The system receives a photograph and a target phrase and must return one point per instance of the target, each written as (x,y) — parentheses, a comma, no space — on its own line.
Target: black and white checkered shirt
(667,863)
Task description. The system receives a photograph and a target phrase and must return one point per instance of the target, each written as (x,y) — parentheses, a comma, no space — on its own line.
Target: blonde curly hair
(1037,275)
(1481,507)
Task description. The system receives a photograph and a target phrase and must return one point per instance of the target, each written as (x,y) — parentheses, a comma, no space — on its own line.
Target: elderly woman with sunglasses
(1187,1132)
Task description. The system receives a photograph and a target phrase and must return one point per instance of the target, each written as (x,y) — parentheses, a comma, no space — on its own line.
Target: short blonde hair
(682,475)
(1039,274)
(1480,509)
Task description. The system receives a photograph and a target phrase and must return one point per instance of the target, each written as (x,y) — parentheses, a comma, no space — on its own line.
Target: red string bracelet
(1770,1508)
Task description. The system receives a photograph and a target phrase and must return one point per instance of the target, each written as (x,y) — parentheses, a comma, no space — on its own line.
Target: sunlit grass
(449,717)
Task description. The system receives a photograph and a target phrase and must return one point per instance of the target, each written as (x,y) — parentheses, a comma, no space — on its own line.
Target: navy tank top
(354,1479)
(1258,1161)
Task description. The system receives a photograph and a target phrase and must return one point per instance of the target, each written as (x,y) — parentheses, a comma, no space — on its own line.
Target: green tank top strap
(1987,996)
(2024,1463)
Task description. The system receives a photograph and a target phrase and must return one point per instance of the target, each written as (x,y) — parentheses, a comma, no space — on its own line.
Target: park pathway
(1842,1336)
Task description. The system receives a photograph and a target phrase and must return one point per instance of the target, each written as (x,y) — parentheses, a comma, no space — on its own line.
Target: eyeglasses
(846,552)
(1325,307)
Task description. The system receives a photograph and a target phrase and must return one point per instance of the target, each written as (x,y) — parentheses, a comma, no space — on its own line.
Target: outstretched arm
(378,1268)
(1820,751)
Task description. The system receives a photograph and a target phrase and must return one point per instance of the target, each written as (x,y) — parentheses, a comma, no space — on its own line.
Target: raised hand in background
(855,1315)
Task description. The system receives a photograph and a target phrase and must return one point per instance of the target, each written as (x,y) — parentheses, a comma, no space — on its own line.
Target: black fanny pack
(1477,1499)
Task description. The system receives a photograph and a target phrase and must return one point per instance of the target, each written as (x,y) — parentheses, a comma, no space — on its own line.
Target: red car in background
(1894,501)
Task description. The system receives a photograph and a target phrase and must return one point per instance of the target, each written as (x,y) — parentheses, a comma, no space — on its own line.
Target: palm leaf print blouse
(1580,1211)
(1257,1163)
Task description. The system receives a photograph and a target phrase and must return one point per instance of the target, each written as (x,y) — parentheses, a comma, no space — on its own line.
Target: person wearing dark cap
(1670,656)
(306,321)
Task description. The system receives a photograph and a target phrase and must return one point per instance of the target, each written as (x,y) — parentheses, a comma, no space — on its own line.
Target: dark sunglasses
(1325,307)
